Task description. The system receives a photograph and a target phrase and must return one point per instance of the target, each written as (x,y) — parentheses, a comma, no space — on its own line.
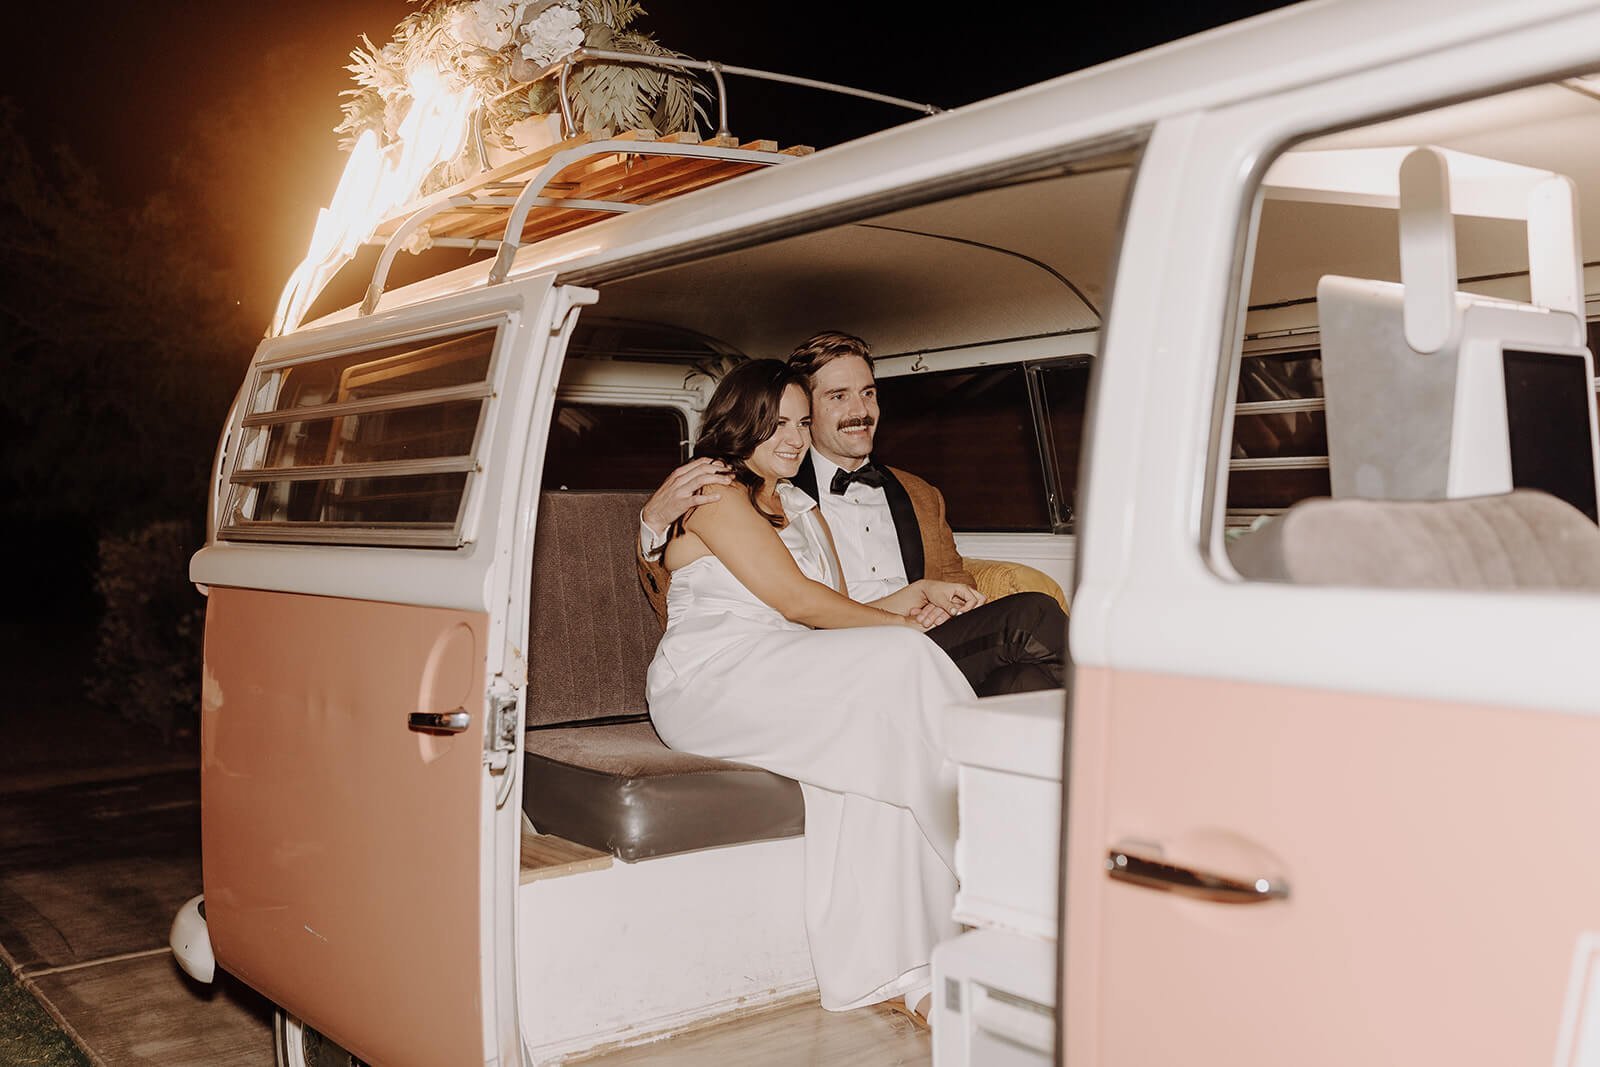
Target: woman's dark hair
(743,413)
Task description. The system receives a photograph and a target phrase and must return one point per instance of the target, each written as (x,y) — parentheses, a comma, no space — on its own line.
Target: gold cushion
(998,578)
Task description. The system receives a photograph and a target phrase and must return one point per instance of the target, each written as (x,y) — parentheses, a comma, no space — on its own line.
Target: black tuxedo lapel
(906,528)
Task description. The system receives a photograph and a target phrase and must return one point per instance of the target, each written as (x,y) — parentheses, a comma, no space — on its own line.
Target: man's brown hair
(824,348)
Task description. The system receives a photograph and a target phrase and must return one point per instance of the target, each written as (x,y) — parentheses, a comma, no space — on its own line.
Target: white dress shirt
(864,533)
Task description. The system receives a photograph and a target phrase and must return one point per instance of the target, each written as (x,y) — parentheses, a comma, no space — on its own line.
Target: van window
(985,436)
(1326,345)
(613,447)
(368,447)
(1280,434)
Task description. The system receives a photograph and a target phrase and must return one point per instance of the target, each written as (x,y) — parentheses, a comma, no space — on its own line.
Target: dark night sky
(225,111)
(245,95)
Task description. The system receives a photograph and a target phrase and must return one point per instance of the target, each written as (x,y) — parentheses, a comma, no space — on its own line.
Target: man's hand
(920,611)
(685,489)
(952,597)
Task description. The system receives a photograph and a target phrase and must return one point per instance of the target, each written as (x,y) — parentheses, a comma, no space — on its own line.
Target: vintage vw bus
(1324,772)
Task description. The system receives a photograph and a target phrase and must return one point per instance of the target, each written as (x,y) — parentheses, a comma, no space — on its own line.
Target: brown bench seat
(594,770)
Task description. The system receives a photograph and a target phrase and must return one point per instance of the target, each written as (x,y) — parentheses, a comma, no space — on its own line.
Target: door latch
(500,738)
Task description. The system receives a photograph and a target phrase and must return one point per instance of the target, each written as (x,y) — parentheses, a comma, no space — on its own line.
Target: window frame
(1235,342)
(261,391)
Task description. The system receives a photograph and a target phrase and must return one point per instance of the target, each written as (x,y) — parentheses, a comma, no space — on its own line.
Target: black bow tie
(868,473)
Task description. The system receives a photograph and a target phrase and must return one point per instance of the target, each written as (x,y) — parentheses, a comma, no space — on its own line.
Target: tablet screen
(1547,417)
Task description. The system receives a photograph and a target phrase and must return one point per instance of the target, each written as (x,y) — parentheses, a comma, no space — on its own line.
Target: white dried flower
(486,23)
(552,35)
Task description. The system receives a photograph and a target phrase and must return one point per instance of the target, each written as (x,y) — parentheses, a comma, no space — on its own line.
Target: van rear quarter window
(336,449)
(1280,433)
(971,434)
(613,447)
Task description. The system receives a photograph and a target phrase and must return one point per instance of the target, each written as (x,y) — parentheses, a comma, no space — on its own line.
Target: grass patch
(28,1036)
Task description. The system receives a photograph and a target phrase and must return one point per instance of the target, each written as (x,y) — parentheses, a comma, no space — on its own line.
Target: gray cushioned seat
(590,778)
(1519,540)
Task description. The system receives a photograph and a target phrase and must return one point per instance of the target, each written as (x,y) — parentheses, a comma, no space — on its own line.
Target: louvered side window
(372,447)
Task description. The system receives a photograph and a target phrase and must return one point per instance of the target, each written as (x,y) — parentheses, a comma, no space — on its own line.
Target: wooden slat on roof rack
(612,176)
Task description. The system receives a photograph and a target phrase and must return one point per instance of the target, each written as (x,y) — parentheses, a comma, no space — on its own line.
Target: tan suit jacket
(941,561)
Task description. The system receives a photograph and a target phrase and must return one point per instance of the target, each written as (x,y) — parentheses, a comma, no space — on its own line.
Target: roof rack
(561,69)
(578,181)
(585,177)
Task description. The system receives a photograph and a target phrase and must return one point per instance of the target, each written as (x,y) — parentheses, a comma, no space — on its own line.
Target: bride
(765,661)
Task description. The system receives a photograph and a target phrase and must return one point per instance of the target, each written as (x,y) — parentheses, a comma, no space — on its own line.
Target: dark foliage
(119,354)
(148,644)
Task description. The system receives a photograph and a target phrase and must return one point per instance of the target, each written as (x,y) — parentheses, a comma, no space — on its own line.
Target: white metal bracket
(1430,186)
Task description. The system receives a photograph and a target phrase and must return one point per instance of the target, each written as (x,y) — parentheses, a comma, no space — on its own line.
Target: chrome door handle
(1130,867)
(440,722)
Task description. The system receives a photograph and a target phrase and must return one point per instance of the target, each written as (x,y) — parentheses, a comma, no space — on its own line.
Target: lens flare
(377,181)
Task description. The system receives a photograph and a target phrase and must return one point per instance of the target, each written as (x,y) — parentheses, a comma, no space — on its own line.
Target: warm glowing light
(376,182)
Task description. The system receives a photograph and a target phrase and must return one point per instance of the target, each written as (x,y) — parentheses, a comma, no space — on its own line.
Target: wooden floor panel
(546,856)
(796,1034)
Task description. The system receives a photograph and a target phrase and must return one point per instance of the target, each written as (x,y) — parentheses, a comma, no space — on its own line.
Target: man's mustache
(866,421)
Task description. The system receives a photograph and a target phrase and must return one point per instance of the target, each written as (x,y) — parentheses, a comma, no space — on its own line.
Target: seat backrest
(591,631)
(1519,540)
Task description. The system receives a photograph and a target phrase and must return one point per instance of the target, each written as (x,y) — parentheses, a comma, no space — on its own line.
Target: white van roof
(1255,57)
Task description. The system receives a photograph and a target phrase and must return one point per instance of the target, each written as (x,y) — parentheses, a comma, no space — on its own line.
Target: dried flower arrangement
(499,46)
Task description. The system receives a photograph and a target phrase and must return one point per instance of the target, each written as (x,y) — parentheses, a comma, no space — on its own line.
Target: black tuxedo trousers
(1015,644)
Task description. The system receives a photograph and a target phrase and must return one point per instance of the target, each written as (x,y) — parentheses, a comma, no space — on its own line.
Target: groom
(888,527)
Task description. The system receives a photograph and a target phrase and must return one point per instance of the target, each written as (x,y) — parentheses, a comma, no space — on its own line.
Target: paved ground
(99,845)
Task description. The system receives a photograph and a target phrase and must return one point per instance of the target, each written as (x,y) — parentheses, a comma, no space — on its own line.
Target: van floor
(791,1034)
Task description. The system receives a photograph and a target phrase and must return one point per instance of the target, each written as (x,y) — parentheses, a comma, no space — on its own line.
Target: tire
(298,1045)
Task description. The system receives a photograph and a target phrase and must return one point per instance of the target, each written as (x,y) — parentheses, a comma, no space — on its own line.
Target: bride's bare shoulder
(732,506)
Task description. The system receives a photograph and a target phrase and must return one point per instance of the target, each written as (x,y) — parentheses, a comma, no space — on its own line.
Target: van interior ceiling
(977,269)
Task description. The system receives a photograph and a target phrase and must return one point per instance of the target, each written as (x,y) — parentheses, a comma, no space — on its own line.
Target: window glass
(970,433)
(1280,434)
(612,447)
(420,499)
(382,439)
(443,429)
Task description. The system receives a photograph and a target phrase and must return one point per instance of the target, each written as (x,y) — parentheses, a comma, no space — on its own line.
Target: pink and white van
(1317,472)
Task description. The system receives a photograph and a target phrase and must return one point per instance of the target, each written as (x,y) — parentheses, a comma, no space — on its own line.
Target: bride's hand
(951,597)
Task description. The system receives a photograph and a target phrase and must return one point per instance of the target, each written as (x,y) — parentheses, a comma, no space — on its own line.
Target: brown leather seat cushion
(617,787)
(590,779)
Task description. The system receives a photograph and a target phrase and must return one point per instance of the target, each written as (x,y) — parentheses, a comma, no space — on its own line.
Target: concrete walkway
(99,846)
(90,877)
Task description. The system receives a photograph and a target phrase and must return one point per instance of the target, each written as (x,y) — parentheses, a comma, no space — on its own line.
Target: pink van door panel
(342,852)
(1440,860)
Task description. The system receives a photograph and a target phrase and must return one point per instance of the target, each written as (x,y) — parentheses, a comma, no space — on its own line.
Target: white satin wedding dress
(855,717)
